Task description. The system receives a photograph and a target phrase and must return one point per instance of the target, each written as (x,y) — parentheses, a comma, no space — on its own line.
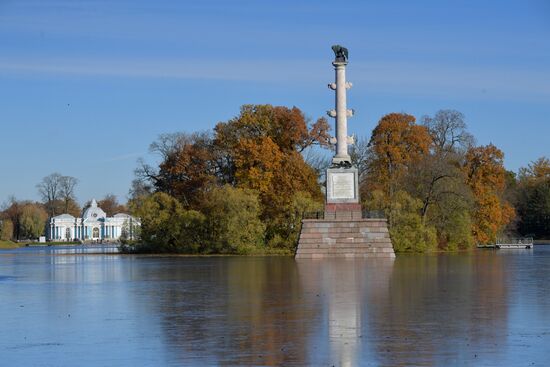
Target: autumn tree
(485,175)
(12,212)
(439,184)
(263,146)
(537,170)
(187,167)
(27,219)
(259,151)
(533,199)
(396,145)
(111,206)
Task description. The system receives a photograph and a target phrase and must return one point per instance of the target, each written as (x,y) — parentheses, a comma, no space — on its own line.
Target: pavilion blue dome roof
(93,211)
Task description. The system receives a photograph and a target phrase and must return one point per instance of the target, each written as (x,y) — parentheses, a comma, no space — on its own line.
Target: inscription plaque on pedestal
(342,185)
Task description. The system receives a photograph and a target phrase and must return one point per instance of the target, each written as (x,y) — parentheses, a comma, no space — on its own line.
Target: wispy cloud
(403,77)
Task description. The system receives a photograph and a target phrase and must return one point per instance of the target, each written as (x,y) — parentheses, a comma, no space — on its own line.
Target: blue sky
(86,86)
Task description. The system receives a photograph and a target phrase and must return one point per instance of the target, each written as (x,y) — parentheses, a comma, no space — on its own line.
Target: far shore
(10,245)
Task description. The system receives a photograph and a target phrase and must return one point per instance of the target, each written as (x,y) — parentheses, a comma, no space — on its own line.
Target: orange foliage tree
(187,170)
(396,144)
(262,148)
(485,174)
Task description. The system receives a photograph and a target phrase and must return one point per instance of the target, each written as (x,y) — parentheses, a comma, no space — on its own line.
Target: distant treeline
(27,220)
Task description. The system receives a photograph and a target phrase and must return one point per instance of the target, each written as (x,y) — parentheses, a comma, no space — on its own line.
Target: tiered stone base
(343,237)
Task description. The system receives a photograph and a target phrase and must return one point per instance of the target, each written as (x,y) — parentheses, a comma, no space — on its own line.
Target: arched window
(68,233)
(95,233)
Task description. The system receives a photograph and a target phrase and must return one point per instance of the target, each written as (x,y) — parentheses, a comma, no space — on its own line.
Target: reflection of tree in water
(441,309)
(416,310)
(235,311)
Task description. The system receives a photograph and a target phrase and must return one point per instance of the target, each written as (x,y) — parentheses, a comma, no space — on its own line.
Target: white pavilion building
(93,226)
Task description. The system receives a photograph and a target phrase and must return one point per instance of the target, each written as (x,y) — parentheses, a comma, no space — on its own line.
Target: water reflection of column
(344,312)
(354,288)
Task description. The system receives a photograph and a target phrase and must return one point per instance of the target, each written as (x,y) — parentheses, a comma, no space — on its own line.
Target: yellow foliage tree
(485,174)
(397,143)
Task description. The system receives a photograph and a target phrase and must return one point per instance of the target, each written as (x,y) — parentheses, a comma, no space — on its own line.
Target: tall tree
(396,145)
(533,199)
(67,185)
(448,131)
(263,146)
(111,206)
(57,193)
(485,174)
(33,220)
(536,170)
(6,229)
(187,168)
(50,191)
(12,212)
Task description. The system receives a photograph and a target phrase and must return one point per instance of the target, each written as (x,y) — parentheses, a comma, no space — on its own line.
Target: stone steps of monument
(345,245)
(344,223)
(338,235)
(387,255)
(353,239)
(351,230)
(340,238)
(343,226)
(343,249)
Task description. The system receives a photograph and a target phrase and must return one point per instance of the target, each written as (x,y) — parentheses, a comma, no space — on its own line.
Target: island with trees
(243,187)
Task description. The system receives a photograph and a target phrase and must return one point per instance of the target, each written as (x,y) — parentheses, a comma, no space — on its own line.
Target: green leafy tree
(33,220)
(408,232)
(6,229)
(533,199)
(233,220)
(167,227)
(290,224)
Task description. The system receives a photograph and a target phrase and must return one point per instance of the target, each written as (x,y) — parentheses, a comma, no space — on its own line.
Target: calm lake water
(63,307)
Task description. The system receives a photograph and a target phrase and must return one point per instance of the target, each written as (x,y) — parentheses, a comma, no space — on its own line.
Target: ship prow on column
(343,230)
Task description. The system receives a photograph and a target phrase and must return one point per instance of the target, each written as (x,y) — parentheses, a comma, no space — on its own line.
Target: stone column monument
(342,230)
(342,178)
(341,113)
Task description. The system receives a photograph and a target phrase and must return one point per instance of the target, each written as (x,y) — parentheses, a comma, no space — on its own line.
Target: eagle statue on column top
(340,53)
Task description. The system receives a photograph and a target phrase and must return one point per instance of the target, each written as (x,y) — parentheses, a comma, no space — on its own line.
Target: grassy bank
(9,245)
(138,248)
